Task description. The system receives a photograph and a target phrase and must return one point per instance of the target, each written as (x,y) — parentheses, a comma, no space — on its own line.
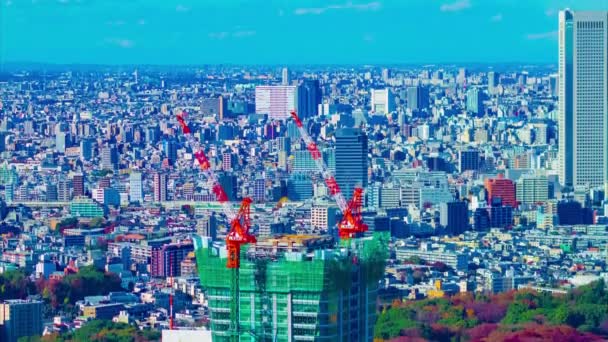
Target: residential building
(276,101)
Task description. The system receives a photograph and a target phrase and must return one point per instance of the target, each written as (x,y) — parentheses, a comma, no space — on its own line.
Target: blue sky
(282,31)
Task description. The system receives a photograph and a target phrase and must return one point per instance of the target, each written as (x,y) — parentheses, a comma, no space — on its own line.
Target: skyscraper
(229,183)
(417,98)
(160,187)
(60,142)
(493,81)
(468,160)
(309,98)
(51,191)
(109,158)
(259,189)
(63,190)
(454,216)
(78,184)
(583,98)
(276,101)
(170,150)
(136,193)
(351,160)
(86,149)
(382,101)
(475,101)
(285,77)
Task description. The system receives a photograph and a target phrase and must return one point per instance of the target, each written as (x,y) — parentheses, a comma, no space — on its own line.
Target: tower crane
(240,223)
(351,223)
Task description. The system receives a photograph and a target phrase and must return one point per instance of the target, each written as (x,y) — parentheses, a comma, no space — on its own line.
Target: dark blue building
(351,160)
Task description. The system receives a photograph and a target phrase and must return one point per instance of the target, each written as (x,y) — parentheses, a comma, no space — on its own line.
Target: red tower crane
(240,223)
(351,224)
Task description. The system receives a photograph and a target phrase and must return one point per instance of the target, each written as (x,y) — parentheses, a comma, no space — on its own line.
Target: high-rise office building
(493,81)
(64,190)
(386,75)
(285,80)
(160,187)
(468,160)
(461,78)
(475,101)
(109,158)
(276,101)
(170,150)
(351,159)
(259,190)
(501,216)
(2,141)
(136,192)
(501,188)
(583,98)
(532,189)
(20,318)
(86,149)
(60,142)
(78,184)
(417,98)
(309,98)
(229,183)
(51,191)
(454,216)
(553,85)
(382,101)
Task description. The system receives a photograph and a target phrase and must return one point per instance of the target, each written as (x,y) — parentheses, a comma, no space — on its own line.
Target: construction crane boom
(240,223)
(351,224)
(328,176)
(205,165)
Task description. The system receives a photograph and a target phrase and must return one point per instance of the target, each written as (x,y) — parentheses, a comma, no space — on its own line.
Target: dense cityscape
(442,202)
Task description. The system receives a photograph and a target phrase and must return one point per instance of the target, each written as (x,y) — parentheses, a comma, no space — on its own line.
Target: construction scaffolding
(295,288)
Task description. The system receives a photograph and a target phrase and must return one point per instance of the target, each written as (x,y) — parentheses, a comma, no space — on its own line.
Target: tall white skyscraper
(285,77)
(276,101)
(136,192)
(583,98)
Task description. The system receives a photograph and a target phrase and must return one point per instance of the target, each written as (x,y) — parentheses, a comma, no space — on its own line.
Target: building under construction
(294,288)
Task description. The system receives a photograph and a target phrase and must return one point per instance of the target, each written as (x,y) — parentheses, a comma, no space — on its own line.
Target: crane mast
(240,224)
(351,224)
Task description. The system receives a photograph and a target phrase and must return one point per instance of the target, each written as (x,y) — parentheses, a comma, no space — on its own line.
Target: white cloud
(281,13)
(455,6)
(542,35)
(496,18)
(141,22)
(182,8)
(368,38)
(233,34)
(121,42)
(370,6)
(8,3)
(550,12)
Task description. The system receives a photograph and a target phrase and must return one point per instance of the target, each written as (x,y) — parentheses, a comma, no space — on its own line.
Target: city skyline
(310,32)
